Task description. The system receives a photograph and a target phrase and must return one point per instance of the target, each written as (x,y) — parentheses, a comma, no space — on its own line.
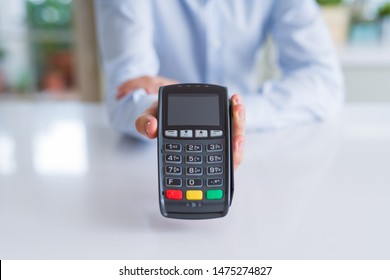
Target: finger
(121,94)
(151,89)
(147,123)
(238,115)
(238,150)
(158,82)
(166,82)
(152,84)
(127,87)
(134,84)
(238,130)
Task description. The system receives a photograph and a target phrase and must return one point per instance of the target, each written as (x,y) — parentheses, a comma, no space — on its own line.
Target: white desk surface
(72,188)
(365,56)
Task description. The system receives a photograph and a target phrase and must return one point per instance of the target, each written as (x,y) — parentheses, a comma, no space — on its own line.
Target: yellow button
(194,195)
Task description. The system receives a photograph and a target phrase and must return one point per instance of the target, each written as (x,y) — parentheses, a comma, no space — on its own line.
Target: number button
(215,182)
(173,170)
(193,148)
(215,159)
(193,159)
(214,147)
(173,158)
(173,147)
(214,170)
(173,182)
(194,171)
(194,182)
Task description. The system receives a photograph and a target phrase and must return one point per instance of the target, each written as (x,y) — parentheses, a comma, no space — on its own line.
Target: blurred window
(37,48)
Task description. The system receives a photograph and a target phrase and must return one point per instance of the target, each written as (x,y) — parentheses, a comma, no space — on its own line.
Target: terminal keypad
(194,171)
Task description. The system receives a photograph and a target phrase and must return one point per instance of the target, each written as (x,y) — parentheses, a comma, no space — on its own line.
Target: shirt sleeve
(125,33)
(311,87)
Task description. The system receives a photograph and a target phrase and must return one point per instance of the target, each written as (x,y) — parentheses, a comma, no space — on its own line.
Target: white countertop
(71,188)
(376,56)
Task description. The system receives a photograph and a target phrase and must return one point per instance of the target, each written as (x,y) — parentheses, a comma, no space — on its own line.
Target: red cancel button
(174,194)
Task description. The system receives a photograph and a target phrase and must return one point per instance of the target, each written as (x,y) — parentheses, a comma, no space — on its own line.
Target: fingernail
(147,128)
(237,99)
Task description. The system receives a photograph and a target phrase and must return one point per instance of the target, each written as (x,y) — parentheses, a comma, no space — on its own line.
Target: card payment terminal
(195,158)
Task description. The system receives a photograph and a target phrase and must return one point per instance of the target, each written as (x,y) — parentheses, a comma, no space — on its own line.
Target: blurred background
(48,49)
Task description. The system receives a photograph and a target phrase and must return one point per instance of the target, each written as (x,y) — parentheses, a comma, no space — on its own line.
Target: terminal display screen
(193,109)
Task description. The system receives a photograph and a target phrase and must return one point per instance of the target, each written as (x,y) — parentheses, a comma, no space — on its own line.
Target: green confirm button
(214,194)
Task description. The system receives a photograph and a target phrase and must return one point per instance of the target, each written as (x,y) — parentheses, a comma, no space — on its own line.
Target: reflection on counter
(7,155)
(60,149)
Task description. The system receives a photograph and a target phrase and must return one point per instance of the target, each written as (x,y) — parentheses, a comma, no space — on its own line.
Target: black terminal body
(195,158)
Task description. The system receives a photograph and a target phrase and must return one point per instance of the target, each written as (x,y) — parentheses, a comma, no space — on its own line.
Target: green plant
(329,2)
(49,14)
(384,10)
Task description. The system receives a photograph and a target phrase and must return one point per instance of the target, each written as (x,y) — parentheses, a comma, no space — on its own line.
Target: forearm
(311,87)
(305,96)
(125,33)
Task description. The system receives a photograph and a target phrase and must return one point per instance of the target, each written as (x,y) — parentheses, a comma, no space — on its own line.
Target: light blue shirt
(217,41)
